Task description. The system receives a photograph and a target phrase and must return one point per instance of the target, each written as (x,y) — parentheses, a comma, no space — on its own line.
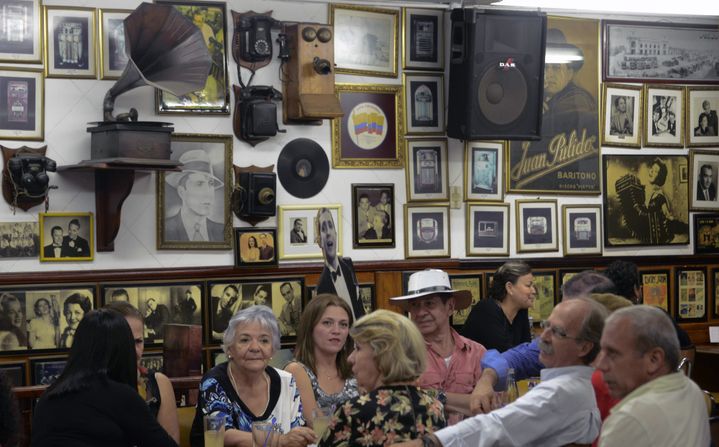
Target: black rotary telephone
(255,37)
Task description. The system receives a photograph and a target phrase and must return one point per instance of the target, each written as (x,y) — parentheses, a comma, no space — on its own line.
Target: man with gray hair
(659,406)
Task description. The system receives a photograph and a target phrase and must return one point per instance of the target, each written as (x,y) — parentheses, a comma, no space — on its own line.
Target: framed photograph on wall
(368,297)
(426,170)
(426,231)
(193,210)
(19,240)
(211,19)
(21,32)
(715,288)
(703,178)
(255,247)
(371,132)
(484,170)
(622,117)
(15,372)
(23,97)
(638,192)
(701,117)
(471,282)
(45,371)
(112,42)
(373,221)
(487,229)
(582,229)
(659,52)
(655,288)
(70,45)
(536,225)
(664,116)
(706,233)
(545,282)
(424,103)
(423,39)
(67,237)
(691,294)
(287,216)
(365,40)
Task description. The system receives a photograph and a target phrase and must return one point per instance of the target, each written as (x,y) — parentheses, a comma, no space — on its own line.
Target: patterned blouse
(334,400)
(385,416)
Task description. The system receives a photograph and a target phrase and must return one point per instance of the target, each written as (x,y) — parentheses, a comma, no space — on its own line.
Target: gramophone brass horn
(165,50)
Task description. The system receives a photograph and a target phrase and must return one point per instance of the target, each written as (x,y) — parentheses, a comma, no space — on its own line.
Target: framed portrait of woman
(622,115)
(701,118)
(255,247)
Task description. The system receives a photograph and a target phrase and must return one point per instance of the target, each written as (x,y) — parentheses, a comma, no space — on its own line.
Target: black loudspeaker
(496,74)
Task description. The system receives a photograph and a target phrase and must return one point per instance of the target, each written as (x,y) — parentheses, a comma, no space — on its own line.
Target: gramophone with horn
(167,51)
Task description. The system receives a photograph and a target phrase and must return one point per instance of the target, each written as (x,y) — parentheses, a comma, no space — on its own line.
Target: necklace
(237,390)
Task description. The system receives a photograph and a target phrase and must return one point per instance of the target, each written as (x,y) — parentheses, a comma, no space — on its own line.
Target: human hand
(298,437)
(483,399)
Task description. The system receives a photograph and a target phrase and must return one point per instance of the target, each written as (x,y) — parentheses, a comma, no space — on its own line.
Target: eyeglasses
(556,331)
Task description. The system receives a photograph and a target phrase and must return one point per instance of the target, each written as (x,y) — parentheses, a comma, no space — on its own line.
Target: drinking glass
(214,425)
(321,419)
(265,434)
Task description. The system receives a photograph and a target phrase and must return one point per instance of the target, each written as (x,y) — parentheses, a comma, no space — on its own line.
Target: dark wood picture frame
(706,233)
(259,254)
(367,295)
(16,372)
(656,287)
(690,294)
(367,237)
(45,371)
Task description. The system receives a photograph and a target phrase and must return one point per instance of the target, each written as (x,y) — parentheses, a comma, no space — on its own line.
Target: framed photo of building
(487,229)
(70,45)
(426,231)
(655,288)
(256,247)
(112,42)
(21,32)
(622,117)
(423,39)
(582,233)
(424,103)
(691,294)
(287,216)
(214,98)
(19,240)
(426,170)
(373,219)
(536,225)
(193,210)
(701,118)
(365,40)
(645,200)
(703,177)
(659,52)
(706,233)
(484,170)
(67,237)
(371,132)
(664,115)
(45,371)
(23,97)
(471,282)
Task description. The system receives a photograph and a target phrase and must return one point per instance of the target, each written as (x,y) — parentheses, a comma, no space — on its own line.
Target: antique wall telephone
(255,38)
(25,182)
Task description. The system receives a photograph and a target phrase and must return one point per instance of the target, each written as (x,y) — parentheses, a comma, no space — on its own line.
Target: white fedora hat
(433,282)
(193,161)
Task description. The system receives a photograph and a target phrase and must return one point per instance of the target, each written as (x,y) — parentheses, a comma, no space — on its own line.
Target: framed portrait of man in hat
(192,204)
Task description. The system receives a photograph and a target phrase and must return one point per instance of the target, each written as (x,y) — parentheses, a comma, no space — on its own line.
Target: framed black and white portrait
(622,117)
(582,233)
(373,221)
(19,240)
(21,31)
(112,42)
(45,371)
(484,170)
(426,170)
(288,217)
(423,39)
(424,103)
(193,204)
(368,298)
(426,231)
(67,237)
(487,229)
(701,118)
(703,177)
(70,45)
(664,116)
(536,225)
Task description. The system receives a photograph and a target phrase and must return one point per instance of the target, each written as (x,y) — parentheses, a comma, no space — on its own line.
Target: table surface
(708,349)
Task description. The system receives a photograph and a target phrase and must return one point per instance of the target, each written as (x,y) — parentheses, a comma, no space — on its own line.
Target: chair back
(714,430)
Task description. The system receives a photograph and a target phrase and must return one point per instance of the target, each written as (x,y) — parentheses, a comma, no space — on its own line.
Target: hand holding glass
(265,434)
(321,419)
(214,425)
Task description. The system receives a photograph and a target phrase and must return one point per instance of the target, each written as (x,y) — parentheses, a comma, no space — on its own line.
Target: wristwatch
(430,440)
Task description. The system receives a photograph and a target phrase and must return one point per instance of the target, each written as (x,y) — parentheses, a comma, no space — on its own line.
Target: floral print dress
(387,415)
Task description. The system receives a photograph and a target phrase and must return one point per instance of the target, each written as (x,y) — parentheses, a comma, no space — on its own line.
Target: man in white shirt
(560,410)
(659,406)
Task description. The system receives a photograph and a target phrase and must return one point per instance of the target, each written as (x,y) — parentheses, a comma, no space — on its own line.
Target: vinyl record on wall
(303,168)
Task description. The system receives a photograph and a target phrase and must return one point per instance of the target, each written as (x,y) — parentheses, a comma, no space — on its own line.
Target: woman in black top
(94,401)
(502,321)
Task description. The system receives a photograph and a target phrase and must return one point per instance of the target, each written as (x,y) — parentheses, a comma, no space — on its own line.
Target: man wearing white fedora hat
(453,361)
(196,185)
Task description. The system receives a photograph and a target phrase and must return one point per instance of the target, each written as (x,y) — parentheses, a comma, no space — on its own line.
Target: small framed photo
(545,283)
(365,40)
(15,372)
(21,32)
(67,237)
(152,361)
(471,282)
(622,118)
(307,214)
(371,132)
(536,225)
(373,220)
(706,233)
(426,170)
(691,294)
(715,288)
(701,122)
(582,229)
(70,46)
(484,170)
(703,177)
(255,247)
(423,39)
(655,288)
(368,297)
(487,229)
(112,42)
(19,240)
(23,97)
(664,115)
(426,231)
(424,103)
(45,371)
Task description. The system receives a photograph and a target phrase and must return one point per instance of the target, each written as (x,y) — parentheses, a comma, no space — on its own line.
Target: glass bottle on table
(512,392)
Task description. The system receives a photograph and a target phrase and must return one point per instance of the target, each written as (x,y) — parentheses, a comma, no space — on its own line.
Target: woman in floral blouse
(388,357)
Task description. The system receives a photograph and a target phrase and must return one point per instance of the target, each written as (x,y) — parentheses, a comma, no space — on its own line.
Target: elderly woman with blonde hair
(388,358)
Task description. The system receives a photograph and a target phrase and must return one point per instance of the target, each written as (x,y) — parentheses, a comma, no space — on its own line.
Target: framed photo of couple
(701,118)
(256,247)
(66,237)
(622,117)
(664,112)
(373,221)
